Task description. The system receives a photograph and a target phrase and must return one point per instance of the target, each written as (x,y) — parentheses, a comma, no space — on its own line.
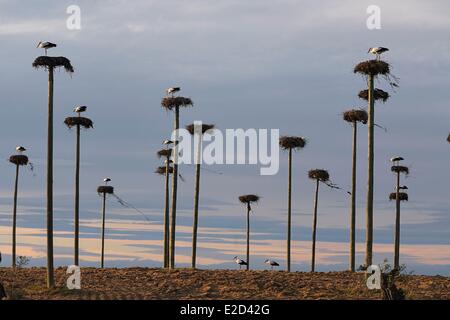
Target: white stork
(20,149)
(45,45)
(167,142)
(397,159)
(80,109)
(172,90)
(403,188)
(240,262)
(377,51)
(271,263)
(106,180)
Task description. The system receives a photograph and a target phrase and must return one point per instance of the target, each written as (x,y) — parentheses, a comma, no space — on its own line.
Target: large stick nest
(53,62)
(79,121)
(105,189)
(402,195)
(378,94)
(162,170)
(164,153)
(400,169)
(204,127)
(356,115)
(249,198)
(170,103)
(19,159)
(373,68)
(292,142)
(319,174)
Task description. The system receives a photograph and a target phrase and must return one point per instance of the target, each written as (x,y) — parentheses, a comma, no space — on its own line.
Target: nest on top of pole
(164,153)
(204,127)
(170,103)
(402,195)
(105,189)
(248,198)
(319,174)
(355,115)
(292,142)
(19,159)
(53,62)
(373,68)
(400,169)
(78,121)
(378,94)
(162,170)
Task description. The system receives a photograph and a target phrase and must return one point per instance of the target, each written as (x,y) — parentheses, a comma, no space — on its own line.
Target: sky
(284,65)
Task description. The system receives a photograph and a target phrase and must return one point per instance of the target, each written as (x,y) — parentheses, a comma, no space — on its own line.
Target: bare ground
(145,283)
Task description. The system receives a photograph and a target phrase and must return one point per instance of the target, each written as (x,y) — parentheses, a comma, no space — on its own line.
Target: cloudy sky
(284,65)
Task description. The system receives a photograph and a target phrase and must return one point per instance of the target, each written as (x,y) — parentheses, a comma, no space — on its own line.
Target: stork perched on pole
(240,262)
(45,45)
(377,51)
(79,110)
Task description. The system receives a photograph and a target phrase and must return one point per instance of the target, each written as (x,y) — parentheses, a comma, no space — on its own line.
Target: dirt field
(144,283)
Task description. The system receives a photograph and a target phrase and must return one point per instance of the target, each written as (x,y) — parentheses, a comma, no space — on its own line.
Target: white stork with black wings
(20,149)
(106,180)
(240,262)
(45,45)
(377,51)
(80,109)
(172,90)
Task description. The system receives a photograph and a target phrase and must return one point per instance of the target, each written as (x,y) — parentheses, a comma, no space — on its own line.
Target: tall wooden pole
(50,268)
(370,176)
(196,202)
(353,204)
(248,235)
(77,199)
(397,226)
(174,189)
(166,215)
(316,200)
(102,264)
(15,218)
(288,258)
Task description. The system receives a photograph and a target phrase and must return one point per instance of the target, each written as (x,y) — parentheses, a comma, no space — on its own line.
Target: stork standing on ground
(80,109)
(172,90)
(240,262)
(20,149)
(271,263)
(45,45)
(377,51)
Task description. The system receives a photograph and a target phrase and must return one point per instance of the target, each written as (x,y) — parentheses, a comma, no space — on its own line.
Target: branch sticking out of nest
(373,68)
(355,115)
(319,174)
(164,153)
(19,159)
(292,142)
(53,62)
(249,198)
(377,93)
(81,121)
(400,169)
(204,127)
(402,195)
(105,189)
(170,103)
(162,170)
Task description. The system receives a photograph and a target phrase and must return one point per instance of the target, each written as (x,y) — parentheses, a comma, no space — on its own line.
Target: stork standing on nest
(396,160)
(171,91)
(20,149)
(45,45)
(377,51)
(240,262)
(106,180)
(80,109)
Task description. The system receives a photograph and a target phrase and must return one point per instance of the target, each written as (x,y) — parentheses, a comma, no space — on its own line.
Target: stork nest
(162,170)
(19,159)
(164,153)
(292,142)
(248,198)
(448,138)
(400,169)
(402,195)
(372,68)
(319,174)
(356,115)
(79,121)
(53,62)
(204,127)
(378,94)
(105,189)
(170,103)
